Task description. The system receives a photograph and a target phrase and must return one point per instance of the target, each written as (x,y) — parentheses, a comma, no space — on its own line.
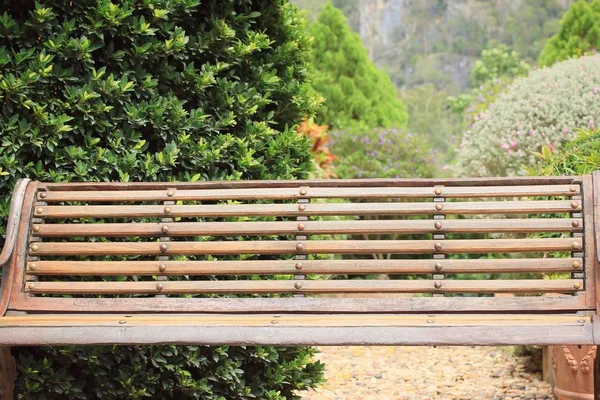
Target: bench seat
(296,329)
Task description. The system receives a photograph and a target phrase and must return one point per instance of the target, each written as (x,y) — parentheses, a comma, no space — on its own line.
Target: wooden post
(8,368)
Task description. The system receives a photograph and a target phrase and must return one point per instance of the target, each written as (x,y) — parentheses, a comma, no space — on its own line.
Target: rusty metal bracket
(14,215)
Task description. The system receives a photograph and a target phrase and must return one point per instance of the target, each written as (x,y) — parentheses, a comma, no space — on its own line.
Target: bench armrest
(14,215)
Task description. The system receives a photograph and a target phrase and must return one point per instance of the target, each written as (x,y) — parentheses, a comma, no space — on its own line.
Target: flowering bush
(381,153)
(322,156)
(543,109)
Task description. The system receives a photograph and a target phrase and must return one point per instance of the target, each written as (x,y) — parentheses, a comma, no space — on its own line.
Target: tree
(146,91)
(495,63)
(579,34)
(356,92)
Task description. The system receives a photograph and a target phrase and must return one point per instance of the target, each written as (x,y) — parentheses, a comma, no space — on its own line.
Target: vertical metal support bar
(593,227)
(302,203)
(33,239)
(438,277)
(577,204)
(162,267)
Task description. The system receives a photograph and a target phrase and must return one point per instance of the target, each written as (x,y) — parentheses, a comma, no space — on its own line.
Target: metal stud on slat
(33,238)
(299,258)
(162,267)
(577,204)
(438,257)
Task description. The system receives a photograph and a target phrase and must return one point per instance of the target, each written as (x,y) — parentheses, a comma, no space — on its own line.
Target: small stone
(379,376)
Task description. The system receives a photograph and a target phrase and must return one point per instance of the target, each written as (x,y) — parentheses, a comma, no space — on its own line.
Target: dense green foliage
(381,153)
(144,91)
(355,91)
(579,33)
(541,109)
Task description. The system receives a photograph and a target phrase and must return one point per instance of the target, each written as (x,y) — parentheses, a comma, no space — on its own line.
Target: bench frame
(14,301)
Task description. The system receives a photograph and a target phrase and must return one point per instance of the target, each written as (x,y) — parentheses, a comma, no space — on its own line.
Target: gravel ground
(424,373)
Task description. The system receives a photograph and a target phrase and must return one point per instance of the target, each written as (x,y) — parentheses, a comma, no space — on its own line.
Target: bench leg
(8,368)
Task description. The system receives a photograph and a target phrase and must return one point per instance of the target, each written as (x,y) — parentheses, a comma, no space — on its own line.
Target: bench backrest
(197,247)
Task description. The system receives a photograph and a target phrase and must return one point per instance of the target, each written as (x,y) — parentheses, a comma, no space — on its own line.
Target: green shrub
(579,33)
(577,157)
(543,109)
(146,91)
(356,91)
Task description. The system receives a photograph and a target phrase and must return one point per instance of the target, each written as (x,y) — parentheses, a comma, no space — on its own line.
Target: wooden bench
(158,263)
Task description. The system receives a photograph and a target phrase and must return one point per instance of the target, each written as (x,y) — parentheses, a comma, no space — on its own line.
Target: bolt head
(438,225)
(162,267)
(167,210)
(576,245)
(575,224)
(170,192)
(576,264)
(298,285)
(438,246)
(30,285)
(34,247)
(301,227)
(437,285)
(303,192)
(574,205)
(165,229)
(122,322)
(301,207)
(39,210)
(438,191)
(163,248)
(438,266)
(43,195)
(439,207)
(32,267)
(577,285)
(298,266)
(36,228)
(159,287)
(430,321)
(572,188)
(299,247)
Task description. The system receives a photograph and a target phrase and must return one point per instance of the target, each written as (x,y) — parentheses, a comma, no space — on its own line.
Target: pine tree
(356,91)
(579,34)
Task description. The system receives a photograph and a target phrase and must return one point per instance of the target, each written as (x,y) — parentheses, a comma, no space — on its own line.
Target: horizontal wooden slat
(315,209)
(374,320)
(370,182)
(310,329)
(310,227)
(307,246)
(304,305)
(307,286)
(315,192)
(270,267)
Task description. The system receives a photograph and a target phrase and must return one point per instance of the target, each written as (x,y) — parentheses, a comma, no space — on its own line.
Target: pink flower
(513,144)
(531,132)
(565,130)
(505,146)
(596,90)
